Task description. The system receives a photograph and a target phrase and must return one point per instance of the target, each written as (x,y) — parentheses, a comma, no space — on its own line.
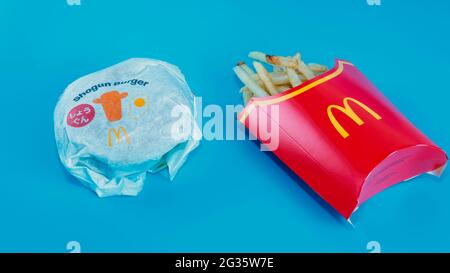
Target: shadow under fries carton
(343,137)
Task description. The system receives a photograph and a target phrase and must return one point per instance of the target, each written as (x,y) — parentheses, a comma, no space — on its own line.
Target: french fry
(302,78)
(303,68)
(272,59)
(251,73)
(317,68)
(246,94)
(287,72)
(247,69)
(249,82)
(294,79)
(282,88)
(277,78)
(277,68)
(265,77)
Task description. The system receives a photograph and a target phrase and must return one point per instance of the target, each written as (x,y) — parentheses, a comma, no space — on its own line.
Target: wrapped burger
(115,125)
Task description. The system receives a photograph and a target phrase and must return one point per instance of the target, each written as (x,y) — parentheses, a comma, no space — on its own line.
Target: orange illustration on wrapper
(112,104)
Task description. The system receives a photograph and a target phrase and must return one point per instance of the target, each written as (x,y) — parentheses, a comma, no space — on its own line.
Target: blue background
(229,196)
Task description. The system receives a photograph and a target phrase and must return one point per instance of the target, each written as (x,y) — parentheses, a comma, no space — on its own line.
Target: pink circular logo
(81,115)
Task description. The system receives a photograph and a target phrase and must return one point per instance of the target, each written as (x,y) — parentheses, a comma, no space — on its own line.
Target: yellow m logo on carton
(117,134)
(347,110)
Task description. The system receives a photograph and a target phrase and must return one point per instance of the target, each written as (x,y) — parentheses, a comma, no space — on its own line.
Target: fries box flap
(343,137)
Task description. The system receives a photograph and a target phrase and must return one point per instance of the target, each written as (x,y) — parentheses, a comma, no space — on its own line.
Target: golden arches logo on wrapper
(114,126)
(348,111)
(118,135)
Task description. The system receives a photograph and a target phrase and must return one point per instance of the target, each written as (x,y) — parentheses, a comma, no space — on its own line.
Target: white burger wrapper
(115,125)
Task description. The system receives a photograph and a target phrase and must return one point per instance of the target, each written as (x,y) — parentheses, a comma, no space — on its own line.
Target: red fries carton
(340,135)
